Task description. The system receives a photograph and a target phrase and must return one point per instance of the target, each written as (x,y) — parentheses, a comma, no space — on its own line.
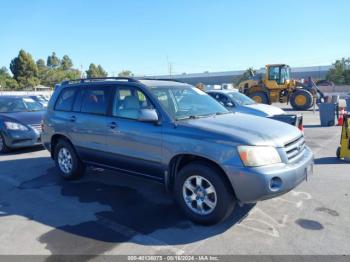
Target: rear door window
(65,100)
(94,100)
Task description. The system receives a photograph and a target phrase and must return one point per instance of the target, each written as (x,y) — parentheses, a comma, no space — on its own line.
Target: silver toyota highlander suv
(208,157)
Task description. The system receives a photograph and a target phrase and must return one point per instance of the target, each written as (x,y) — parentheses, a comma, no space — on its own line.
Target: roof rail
(159,79)
(92,79)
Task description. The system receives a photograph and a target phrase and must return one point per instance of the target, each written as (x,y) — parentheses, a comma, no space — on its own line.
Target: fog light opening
(275,183)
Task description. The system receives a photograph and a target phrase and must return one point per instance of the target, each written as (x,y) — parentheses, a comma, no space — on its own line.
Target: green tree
(66,63)
(4,72)
(24,70)
(41,64)
(101,71)
(92,71)
(53,76)
(340,72)
(6,81)
(125,73)
(42,68)
(95,71)
(53,61)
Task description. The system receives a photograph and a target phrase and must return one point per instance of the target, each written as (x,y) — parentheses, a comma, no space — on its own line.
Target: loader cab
(280,74)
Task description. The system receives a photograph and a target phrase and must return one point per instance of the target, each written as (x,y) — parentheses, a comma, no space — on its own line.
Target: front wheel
(67,162)
(202,194)
(301,100)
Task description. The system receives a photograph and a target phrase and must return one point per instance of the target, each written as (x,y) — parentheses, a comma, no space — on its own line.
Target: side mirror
(148,115)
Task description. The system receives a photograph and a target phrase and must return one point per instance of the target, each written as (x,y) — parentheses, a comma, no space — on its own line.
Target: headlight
(15,126)
(253,156)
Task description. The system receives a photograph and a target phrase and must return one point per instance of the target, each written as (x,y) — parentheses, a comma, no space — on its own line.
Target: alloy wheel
(65,161)
(199,195)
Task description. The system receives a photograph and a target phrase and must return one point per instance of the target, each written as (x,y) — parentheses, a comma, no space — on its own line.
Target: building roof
(212,78)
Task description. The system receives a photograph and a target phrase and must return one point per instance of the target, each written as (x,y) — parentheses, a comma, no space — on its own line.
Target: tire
(3,147)
(259,97)
(67,162)
(301,100)
(338,152)
(223,195)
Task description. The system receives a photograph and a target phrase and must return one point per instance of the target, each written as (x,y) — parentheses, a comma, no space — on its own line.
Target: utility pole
(170,70)
(170,67)
(82,75)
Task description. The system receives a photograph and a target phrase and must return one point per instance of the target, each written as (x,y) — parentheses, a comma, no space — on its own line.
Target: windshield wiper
(187,117)
(202,116)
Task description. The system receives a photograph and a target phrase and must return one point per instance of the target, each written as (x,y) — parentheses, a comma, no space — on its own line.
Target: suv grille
(37,127)
(295,148)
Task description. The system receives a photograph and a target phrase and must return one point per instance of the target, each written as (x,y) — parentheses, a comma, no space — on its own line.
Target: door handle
(72,118)
(113,125)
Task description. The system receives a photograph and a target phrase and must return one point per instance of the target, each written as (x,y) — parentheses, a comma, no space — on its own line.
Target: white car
(240,103)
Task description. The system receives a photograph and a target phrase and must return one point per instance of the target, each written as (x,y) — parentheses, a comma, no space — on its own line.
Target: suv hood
(27,118)
(247,129)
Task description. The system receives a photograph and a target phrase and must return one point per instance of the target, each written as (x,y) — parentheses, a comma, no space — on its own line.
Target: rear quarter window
(65,100)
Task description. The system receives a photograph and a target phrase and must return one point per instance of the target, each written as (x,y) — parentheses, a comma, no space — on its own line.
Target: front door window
(128,102)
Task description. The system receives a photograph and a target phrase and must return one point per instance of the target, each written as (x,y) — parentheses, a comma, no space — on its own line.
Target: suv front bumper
(260,183)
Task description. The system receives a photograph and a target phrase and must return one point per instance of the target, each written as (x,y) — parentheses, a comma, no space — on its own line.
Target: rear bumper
(254,184)
(18,139)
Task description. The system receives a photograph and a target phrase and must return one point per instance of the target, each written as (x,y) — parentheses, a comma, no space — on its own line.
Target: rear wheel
(259,97)
(3,147)
(301,100)
(67,162)
(202,194)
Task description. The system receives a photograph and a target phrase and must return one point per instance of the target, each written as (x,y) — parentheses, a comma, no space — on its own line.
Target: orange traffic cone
(341,117)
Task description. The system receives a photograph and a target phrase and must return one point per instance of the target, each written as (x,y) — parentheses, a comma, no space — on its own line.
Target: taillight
(301,126)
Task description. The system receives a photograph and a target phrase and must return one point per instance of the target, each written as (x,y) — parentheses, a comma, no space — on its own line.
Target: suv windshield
(240,99)
(19,104)
(187,102)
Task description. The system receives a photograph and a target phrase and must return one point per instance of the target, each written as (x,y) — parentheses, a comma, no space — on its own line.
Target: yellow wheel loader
(277,86)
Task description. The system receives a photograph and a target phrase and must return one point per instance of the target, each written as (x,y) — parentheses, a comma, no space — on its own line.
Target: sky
(146,36)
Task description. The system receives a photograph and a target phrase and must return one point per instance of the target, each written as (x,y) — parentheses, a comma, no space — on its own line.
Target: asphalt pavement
(109,213)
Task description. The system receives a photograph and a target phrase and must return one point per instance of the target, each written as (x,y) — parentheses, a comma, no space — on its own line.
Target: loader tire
(301,100)
(259,97)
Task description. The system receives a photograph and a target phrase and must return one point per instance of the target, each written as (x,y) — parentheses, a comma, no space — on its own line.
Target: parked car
(40,99)
(207,156)
(238,102)
(20,122)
